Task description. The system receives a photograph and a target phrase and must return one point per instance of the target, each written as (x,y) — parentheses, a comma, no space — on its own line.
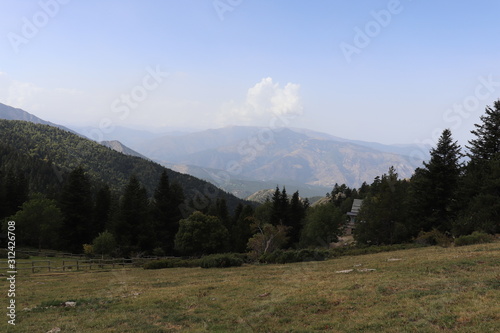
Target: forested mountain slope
(47,154)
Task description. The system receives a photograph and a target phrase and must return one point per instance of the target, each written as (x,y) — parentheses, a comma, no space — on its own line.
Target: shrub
(433,237)
(362,250)
(221,260)
(159,252)
(104,243)
(172,263)
(88,250)
(284,257)
(314,255)
(475,238)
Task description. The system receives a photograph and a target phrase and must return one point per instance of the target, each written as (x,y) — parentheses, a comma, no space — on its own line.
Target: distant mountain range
(286,156)
(243,160)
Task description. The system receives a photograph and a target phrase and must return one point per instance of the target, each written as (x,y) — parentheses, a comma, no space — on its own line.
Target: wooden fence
(73,264)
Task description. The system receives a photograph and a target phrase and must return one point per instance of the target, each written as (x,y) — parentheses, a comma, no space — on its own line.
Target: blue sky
(385,71)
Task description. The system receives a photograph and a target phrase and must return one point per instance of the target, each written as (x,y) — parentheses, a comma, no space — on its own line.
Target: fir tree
(297,213)
(133,230)
(241,230)
(76,207)
(481,183)
(276,216)
(487,142)
(382,219)
(15,191)
(166,213)
(434,187)
(102,210)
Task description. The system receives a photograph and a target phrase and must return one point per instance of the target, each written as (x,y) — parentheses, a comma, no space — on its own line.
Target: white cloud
(47,103)
(22,94)
(264,101)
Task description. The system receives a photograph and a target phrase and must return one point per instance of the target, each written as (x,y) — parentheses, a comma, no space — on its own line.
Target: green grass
(430,289)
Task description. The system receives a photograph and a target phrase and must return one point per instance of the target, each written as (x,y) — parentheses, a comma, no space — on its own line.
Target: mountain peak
(11,113)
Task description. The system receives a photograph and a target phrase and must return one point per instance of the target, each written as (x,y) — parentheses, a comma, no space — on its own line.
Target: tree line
(455,193)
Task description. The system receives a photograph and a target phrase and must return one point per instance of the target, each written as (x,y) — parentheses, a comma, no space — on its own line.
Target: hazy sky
(385,71)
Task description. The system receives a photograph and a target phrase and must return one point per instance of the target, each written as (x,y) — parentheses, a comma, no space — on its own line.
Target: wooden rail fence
(72,264)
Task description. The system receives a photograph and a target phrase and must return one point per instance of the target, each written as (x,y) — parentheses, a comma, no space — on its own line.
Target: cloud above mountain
(264,102)
(50,103)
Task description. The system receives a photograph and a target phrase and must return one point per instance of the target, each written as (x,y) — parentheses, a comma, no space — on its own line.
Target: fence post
(64,267)
(32,267)
(49,265)
(77,262)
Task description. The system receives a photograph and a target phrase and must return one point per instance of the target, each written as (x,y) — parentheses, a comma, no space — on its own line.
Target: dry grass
(428,290)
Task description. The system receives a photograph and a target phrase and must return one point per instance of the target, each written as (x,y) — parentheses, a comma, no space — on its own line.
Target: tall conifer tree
(434,187)
(76,207)
(486,145)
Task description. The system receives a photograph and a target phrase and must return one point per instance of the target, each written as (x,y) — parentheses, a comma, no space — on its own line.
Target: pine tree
(276,207)
(102,210)
(76,206)
(16,191)
(134,231)
(434,187)
(220,210)
(487,142)
(241,230)
(165,208)
(480,189)
(280,207)
(160,209)
(382,219)
(297,213)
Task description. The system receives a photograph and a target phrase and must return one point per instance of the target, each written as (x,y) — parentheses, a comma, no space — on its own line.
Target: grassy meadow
(430,289)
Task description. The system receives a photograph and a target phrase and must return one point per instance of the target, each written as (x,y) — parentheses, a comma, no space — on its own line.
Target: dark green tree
(76,206)
(382,219)
(280,207)
(102,209)
(277,214)
(486,145)
(480,189)
(241,230)
(39,223)
(323,225)
(434,187)
(133,228)
(220,210)
(104,243)
(201,234)
(296,215)
(165,209)
(15,191)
